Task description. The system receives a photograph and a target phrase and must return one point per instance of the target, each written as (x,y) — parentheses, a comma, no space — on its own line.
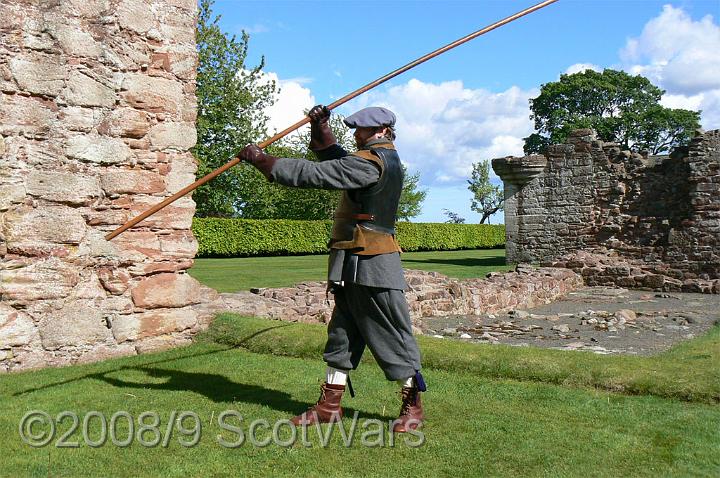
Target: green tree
(619,107)
(231,99)
(411,197)
(275,201)
(487,197)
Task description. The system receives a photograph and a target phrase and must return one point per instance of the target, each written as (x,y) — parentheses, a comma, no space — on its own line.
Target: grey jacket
(339,170)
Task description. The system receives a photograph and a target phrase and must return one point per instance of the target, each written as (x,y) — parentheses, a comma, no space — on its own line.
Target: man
(364,270)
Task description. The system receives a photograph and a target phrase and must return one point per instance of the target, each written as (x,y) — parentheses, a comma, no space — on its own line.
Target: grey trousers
(376,317)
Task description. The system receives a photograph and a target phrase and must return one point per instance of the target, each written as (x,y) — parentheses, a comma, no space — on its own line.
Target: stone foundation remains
(97,113)
(430,294)
(645,221)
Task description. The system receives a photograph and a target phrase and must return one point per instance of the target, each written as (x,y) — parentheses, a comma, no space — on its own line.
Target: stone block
(114,280)
(75,41)
(142,242)
(187,5)
(126,122)
(24,281)
(177,215)
(180,60)
(159,322)
(77,118)
(83,8)
(16,328)
(26,115)
(89,288)
(40,75)
(182,172)
(153,324)
(28,230)
(35,36)
(154,94)
(104,352)
(12,17)
(131,181)
(11,194)
(135,15)
(165,290)
(164,342)
(125,327)
(83,90)
(76,323)
(147,268)
(179,34)
(29,359)
(68,188)
(178,244)
(98,149)
(118,304)
(178,136)
(655,281)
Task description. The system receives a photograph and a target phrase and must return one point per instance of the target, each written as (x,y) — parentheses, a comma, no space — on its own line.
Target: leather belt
(357,217)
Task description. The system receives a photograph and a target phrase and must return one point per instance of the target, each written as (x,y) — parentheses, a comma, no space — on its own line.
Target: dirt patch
(598,319)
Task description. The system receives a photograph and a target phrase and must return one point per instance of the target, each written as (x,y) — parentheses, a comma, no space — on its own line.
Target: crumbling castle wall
(97,113)
(656,217)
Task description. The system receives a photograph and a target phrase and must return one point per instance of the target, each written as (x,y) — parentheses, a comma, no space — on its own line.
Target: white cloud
(680,55)
(580,67)
(680,52)
(290,103)
(256,28)
(444,128)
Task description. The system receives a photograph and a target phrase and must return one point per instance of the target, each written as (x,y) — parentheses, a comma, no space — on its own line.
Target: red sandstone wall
(97,113)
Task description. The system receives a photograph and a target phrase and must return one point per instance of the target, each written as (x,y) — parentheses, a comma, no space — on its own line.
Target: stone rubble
(430,295)
(604,267)
(645,327)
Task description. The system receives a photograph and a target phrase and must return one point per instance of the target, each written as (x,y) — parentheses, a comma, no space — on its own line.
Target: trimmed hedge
(258,237)
(430,236)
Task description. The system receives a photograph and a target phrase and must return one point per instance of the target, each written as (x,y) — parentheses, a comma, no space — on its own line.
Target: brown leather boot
(411,411)
(327,408)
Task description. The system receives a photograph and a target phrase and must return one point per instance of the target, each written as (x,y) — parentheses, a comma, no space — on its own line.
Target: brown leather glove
(321,136)
(255,156)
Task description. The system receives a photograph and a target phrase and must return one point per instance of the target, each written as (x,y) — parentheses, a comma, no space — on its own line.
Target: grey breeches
(378,318)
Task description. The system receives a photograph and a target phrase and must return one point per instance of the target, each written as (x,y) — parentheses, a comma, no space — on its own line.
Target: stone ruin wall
(618,217)
(97,113)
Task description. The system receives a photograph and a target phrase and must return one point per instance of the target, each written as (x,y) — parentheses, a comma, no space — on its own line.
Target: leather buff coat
(365,218)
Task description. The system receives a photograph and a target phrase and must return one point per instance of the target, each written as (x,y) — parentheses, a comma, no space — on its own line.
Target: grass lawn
(477,425)
(242,273)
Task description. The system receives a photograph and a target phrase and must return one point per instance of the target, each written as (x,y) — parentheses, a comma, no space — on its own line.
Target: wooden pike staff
(331,106)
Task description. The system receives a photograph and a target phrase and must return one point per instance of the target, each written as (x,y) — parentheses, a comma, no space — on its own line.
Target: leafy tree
(619,107)
(411,198)
(275,201)
(487,197)
(231,100)
(453,217)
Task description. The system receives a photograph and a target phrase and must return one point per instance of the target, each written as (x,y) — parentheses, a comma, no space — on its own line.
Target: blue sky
(471,103)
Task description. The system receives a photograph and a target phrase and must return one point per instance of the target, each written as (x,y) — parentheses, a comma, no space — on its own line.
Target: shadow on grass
(149,361)
(215,387)
(468,262)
